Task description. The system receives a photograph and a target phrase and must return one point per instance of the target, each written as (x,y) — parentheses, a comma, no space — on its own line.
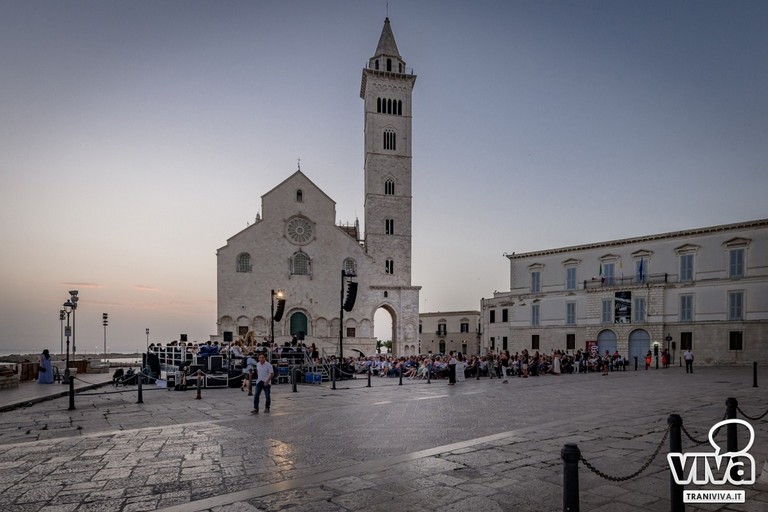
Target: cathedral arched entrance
(298,324)
(384,328)
(639,344)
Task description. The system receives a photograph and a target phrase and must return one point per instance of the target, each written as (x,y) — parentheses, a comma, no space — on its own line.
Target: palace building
(702,289)
(296,251)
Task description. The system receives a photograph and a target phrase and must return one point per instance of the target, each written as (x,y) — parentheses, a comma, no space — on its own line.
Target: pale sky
(137,136)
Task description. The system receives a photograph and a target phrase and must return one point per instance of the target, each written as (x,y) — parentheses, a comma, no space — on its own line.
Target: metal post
(272,319)
(732,435)
(140,378)
(570,454)
(754,374)
(675,423)
(293,379)
(401,376)
(657,362)
(429,373)
(199,384)
(635,363)
(333,376)
(477,369)
(72,394)
(369,377)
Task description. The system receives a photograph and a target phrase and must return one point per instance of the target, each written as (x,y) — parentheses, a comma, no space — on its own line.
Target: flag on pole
(640,271)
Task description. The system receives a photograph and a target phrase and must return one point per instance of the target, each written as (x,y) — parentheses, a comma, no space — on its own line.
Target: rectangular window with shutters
(686,268)
(570,313)
(535,315)
(736,305)
(686,308)
(607,310)
(639,311)
(570,278)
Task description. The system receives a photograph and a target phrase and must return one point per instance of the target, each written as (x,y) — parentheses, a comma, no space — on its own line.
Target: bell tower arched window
(389,140)
(389,187)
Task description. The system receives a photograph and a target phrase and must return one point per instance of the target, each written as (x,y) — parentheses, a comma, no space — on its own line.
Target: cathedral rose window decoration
(300,230)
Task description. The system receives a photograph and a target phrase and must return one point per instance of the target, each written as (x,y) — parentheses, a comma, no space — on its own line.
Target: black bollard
(71,393)
(429,373)
(141,395)
(570,454)
(635,363)
(293,379)
(675,423)
(754,374)
(333,377)
(369,377)
(657,362)
(401,376)
(477,370)
(732,435)
(199,385)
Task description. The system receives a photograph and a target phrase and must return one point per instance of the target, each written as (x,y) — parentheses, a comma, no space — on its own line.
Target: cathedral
(296,273)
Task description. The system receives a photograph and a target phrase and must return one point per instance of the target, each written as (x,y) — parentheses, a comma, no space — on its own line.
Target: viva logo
(702,468)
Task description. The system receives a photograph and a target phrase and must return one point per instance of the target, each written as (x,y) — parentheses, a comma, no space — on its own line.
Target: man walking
(264,374)
(688,356)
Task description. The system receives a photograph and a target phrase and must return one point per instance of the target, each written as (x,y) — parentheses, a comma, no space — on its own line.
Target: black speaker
(349,301)
(183,337)
(279,310)
(228,336)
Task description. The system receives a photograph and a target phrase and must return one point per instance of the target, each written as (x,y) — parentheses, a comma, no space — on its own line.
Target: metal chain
(695,441)
(750,417)
(633,475)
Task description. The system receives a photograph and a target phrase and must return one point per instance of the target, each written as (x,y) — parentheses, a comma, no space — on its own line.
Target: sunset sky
(137,136)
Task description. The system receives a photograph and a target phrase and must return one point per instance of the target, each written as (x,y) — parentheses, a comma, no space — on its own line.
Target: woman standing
(45,372)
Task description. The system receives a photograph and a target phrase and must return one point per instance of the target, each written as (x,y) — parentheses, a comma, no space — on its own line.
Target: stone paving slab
(480,445)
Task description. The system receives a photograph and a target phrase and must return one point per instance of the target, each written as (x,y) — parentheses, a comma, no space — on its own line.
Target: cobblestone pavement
(479,445)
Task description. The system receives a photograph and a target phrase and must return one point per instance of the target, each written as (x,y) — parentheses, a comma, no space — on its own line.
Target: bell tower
(386,89)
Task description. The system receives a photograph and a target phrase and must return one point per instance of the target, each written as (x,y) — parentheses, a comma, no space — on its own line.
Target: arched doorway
(639,345)
(384,330)
(298,324)
(606,340)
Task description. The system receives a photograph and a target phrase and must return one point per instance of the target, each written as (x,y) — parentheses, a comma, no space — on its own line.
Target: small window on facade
(607,311)
(534,342)
(300,264)
(570,342)
(441,330)
(504,342)
(299,196)
(378,105)
(389,226)
(535,315)
(736,340)
(686,268)
(493,343)
(609,271)
(350,266)
(736,305)
(464,347)
(377,64)
(686,341)
(492,318)
(535,282)
(505,315)
(736,263)
(570,278)
(442,346)
(570,313)
(390,140)
(639,311)
(389,266)
(244,262)
(686,308)
(419,327)
(464,327)
(389,64)
(399,107)
(350,332)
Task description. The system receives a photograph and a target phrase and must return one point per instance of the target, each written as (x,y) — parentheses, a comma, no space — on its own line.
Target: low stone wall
(8,379)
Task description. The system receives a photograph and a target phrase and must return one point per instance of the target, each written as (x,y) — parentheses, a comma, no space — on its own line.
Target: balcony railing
(623,282)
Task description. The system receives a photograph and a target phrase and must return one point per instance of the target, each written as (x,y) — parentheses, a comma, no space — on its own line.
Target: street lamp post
(104,318)
(61,345)
(68,309)
(73,298)
(147,330)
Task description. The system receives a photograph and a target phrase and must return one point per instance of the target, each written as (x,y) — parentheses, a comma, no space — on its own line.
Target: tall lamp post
(68,309)
(104,318)
(61,345)
(147,339)
(73,298)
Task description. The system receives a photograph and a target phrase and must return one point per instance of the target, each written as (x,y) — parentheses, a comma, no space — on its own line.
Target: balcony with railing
(626,282)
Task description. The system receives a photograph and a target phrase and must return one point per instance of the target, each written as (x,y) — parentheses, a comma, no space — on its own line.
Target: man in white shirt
(688,356)
(264,374)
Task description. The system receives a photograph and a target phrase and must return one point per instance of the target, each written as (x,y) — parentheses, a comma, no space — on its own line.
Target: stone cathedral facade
(296,245)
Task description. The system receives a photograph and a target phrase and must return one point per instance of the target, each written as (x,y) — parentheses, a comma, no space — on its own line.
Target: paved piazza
(477,446)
